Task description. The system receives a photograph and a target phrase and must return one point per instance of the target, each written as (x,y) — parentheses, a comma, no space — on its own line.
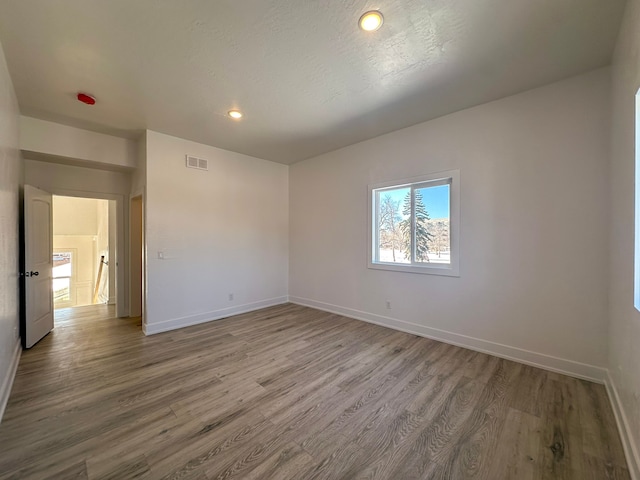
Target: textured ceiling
(307,79)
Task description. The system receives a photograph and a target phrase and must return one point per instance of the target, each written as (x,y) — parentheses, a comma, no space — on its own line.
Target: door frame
(133,244)
(121,247)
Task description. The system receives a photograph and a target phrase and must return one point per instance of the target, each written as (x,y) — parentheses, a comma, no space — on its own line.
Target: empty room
(269,239)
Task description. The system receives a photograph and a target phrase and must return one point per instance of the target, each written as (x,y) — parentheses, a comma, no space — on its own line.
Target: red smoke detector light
(88,99)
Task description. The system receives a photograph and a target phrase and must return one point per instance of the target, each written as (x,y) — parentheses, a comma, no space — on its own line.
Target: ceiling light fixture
(235,114)
(371,21)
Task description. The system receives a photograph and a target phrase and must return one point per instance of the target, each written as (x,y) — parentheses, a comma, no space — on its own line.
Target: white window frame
(636,240)
(451,177)
(72,278)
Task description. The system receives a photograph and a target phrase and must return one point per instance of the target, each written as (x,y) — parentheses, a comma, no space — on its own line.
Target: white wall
(50,138)
(53,176)
(221,231)
(624,326)
(91,182)
(139,175)
(534,229)
(10,173)
(75,216)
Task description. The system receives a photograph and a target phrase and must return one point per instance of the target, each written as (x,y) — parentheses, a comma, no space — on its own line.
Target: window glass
(414,225)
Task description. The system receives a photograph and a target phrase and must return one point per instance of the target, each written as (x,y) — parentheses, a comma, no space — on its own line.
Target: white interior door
(38,259)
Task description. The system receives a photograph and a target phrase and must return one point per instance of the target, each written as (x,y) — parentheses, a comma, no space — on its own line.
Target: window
(62,275)
(415,223)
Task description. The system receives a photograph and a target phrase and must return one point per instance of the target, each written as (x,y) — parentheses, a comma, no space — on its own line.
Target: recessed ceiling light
(235,114)
(371,21)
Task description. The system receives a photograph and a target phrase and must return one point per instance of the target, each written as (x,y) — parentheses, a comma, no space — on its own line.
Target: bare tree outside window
(391,236)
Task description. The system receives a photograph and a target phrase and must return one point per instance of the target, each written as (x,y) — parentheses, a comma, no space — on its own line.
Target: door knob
(32,274)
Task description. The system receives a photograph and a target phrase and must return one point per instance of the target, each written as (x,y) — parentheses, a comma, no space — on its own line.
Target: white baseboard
(628,443)
(173,324)
(7,382)
(560,365)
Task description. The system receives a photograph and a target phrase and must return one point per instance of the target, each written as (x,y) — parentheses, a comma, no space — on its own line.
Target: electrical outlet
(231,297)
(388,305)
(160,255)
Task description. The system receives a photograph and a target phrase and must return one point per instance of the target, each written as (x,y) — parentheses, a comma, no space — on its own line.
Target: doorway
(83,244)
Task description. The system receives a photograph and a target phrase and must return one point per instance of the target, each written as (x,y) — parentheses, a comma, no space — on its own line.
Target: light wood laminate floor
(289,392)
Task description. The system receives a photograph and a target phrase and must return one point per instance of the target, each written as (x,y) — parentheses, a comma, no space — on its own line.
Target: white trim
(174,324)
(631,451)
(636,239)
(547,362)
(7,383)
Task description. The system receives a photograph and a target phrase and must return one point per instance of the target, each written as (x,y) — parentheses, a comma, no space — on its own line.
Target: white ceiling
(307,79)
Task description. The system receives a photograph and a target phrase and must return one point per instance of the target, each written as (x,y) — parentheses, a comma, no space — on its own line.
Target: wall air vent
(198,163)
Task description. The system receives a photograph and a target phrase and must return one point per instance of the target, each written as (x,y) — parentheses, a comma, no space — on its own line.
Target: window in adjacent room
(63,267)
(415,224)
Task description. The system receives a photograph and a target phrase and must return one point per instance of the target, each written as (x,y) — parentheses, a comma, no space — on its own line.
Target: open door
(38,265)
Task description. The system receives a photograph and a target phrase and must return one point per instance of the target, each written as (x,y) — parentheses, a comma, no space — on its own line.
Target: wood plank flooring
(290,392)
